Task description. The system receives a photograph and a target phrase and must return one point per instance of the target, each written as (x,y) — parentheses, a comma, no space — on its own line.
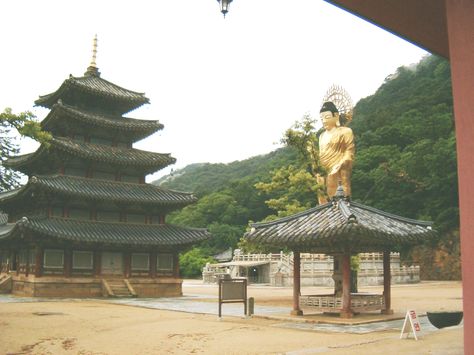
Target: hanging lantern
(224,6)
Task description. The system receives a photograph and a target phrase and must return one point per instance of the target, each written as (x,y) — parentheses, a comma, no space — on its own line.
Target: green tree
(26,125)
(294,187)
(192,262)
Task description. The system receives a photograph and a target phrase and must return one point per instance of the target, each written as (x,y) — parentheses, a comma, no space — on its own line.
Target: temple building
(86,224)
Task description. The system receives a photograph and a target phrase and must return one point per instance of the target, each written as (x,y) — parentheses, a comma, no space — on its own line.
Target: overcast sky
(225,89)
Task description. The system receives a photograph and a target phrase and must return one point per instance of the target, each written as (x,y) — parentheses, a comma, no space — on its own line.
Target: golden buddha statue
(336,152)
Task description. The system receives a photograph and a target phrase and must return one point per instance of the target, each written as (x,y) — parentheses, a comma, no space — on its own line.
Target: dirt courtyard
(100,327)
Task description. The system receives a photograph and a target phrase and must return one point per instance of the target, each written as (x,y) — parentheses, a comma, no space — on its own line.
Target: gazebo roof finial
(92,70)
(340,194)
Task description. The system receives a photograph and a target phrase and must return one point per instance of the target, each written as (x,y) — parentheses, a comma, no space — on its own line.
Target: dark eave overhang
(95,86)
(136,128)
(118,156)
(340,226)
(93,232)
(421,22)
(106,190)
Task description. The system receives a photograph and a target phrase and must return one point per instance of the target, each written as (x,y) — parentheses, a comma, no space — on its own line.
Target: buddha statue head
(329,115)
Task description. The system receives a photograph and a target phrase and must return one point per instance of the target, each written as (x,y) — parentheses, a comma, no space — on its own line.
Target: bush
(192,262)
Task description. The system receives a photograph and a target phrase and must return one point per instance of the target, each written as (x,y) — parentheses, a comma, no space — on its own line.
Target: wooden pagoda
(86,224)
(341,228)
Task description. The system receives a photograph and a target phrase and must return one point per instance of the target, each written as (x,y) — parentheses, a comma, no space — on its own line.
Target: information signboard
(232,291)
(411,323)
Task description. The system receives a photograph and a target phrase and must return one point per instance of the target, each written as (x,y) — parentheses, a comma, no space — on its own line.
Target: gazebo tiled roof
(119,156)
(118,233)
(95,86)
(341,226)
(136,128)
(103,190)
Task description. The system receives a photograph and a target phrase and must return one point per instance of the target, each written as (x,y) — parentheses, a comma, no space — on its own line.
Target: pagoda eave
(119,234)
(94,87)
(62,114)
(146,162)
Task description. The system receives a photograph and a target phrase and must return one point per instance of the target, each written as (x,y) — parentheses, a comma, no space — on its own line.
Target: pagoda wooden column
(346,311)
(38,261)
(67,262)
(127,264)
(296,284)
(27,268)
(97,262)
(176,265)
(387,283)
(153,264)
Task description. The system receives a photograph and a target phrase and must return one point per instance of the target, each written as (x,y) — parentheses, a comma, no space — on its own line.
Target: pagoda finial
(94,52)
(92,70)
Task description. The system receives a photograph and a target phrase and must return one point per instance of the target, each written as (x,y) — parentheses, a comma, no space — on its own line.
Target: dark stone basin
(444,319)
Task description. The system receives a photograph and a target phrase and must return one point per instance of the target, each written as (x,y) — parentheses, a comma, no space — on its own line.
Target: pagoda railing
(360,302)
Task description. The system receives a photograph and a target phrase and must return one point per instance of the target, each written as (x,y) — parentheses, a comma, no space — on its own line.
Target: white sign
(411,321)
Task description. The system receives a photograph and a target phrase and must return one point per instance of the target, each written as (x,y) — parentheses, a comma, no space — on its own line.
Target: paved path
(207,304)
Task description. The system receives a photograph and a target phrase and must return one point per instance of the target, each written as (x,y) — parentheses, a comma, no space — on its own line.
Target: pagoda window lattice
(82,260)
(140,262)
(108,216)
(57,211)
(157,219)
(53,259)
(135,218)
(130,178)
(75,172)
(78,138)
(164,262)
(123,144)
(77,213)
(101,175)
(101,141)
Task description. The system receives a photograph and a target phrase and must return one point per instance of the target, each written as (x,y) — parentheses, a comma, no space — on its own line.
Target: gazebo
(341,228)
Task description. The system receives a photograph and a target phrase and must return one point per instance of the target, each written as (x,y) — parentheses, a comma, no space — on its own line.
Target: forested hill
(204,178)
(405,164)
(406,145)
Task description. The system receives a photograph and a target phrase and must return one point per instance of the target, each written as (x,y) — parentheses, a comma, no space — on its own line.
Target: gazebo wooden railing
(330,303)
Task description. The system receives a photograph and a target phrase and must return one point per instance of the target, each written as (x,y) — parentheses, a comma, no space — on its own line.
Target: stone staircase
(118,288)
(5,283)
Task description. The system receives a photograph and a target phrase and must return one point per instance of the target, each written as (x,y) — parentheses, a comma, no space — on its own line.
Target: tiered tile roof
(118,233)
(133,127)
(102,190)
(95,86)
(341,226)
(119,156)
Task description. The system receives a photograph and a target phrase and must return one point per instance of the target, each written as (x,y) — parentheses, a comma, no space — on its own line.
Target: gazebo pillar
(296,284)
(346,311)
(387,283)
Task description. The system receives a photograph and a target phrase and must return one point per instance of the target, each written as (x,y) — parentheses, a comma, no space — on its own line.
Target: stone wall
(32,286)
(169,287)
(74,287)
